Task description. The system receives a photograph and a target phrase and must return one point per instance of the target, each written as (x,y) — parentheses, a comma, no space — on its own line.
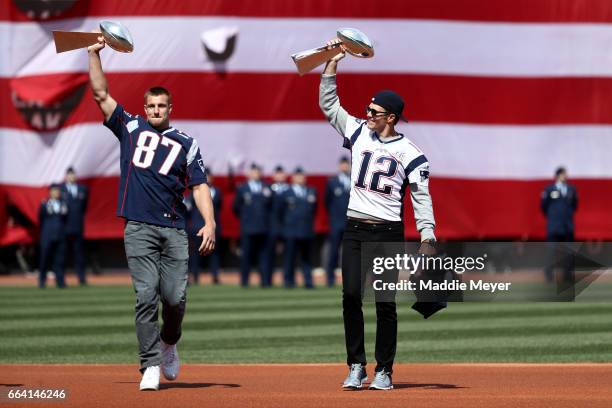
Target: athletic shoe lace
(380,375)
(356,371)
(170,355)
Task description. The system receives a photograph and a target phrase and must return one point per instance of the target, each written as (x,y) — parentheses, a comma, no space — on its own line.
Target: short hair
(559,171)
(157,91)
(70,170)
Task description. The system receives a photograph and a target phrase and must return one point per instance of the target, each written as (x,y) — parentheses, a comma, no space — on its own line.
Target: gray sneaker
(356,377)
(382,381)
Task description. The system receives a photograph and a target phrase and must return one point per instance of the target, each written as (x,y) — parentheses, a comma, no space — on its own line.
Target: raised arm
(97,80)
(328,97)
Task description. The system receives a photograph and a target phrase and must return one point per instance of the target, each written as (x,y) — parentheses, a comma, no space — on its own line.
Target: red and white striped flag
(498,94)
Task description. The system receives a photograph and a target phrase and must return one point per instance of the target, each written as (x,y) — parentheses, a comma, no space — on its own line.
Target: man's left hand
(208,239)
(428,247)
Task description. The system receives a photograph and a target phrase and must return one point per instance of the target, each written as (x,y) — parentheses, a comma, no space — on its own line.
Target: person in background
(298,211)
(275,235)
(559,202)
(195,222)
(252,207)
(52,220)
(76,197)
(337,195)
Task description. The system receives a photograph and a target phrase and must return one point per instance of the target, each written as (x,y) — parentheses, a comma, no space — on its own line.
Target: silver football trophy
(355,42)
(115,34)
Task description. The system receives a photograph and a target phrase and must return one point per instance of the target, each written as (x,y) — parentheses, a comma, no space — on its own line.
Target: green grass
(227,324)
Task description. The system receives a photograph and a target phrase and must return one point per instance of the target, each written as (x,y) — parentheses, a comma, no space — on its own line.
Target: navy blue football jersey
(156,167)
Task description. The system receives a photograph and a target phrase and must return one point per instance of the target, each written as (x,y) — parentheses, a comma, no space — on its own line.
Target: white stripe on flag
(265,44)
(458,151)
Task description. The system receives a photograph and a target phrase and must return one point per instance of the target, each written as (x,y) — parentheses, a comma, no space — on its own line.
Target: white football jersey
(382,171)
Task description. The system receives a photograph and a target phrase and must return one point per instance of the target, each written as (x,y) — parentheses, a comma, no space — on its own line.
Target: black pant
(253,246)
(335,240)
(353,282)
(76,241)
(52,251)
(559,258)
(292,247)
(214,258)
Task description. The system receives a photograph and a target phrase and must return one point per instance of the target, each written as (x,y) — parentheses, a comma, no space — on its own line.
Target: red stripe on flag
(275,97)
(570,11)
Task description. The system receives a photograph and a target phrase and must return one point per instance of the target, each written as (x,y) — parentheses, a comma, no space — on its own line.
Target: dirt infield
(297,386)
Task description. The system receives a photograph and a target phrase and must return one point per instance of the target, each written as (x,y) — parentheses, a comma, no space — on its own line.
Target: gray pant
(157,257)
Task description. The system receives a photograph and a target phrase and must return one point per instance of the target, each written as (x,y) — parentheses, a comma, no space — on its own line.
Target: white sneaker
(170,361)
(150,379)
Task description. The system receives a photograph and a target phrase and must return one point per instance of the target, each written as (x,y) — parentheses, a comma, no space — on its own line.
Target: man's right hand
(332,64)
(330,45)
(97,46)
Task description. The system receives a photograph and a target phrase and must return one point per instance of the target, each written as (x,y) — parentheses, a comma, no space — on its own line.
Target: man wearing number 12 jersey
(157,163)
(385,166)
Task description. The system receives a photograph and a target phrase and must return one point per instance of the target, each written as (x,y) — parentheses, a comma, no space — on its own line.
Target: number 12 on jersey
(376,175)
(147,144)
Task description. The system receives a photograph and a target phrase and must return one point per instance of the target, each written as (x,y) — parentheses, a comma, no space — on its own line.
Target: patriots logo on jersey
(132,125)
(424,174)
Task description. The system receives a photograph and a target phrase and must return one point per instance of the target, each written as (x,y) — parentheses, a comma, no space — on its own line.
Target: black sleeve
(544,201)
(237,204)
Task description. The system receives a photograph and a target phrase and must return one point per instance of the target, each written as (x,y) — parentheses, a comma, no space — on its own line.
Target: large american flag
(498,93)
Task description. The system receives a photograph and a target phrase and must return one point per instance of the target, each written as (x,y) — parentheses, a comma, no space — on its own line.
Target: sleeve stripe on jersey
(414,164)
(355,135)
(193,151)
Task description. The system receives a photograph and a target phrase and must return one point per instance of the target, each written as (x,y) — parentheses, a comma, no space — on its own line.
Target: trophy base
(308,60)
(69,40)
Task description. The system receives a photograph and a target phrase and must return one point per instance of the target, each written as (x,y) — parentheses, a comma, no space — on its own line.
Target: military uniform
(298,210)
(76,197)
(52,218)
(252,206)
(195,222)
(337,195)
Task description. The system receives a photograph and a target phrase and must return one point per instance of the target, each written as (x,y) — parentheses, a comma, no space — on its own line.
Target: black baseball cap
(391,101)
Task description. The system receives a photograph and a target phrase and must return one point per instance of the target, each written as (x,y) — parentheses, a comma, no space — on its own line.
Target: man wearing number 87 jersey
(157,163)
(385,164)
